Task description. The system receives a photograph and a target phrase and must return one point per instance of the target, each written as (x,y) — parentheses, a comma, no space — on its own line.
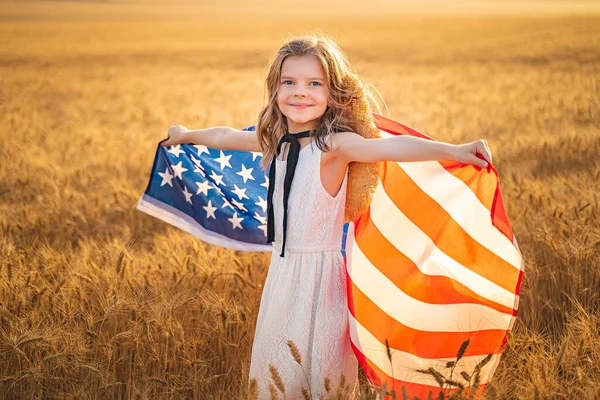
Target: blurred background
(100,300)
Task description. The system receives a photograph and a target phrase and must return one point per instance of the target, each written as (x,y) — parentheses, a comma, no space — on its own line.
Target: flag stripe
(428,282)
(410,312)
(377,377)
(186,223)
(449,236)
(420,343)
(404,365)
(469,174)
(455,197)
(404,243)
(432,263)
(492,200)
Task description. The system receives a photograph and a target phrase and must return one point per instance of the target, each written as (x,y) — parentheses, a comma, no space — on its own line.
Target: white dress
(304,296)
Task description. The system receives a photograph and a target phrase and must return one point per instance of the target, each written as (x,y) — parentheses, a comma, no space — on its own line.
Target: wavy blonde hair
(350,101)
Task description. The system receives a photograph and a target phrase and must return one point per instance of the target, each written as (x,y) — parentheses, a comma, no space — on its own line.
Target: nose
(299,92)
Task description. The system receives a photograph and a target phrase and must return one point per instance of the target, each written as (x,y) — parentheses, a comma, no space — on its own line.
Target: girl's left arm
(354,148)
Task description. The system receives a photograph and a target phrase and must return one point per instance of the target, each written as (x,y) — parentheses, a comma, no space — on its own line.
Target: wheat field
(99,300)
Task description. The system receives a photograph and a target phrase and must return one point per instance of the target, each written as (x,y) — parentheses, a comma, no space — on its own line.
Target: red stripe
(448,235)
(423,344)
(420,343)
(471,175)
(373,373)
(378,377)
(477,179)
(405,274)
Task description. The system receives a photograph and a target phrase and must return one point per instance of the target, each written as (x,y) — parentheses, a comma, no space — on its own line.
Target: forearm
(211,137)
(410,148)
(223,138)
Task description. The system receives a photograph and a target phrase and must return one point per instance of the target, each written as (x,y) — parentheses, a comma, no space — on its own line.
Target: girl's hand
(176,135)
(467,153)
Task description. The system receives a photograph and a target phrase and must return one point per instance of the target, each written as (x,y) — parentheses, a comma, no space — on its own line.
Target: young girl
(321,148)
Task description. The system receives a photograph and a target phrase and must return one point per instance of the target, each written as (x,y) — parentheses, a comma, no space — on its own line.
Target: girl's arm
(220,138)
(352,147)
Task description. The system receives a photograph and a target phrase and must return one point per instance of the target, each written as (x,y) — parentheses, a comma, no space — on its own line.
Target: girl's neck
(293,127)
(297,132)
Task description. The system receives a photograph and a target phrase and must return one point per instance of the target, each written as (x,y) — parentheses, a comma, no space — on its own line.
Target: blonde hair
(349,110)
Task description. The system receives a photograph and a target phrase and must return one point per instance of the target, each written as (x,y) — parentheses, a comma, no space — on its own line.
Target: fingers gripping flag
(433,266)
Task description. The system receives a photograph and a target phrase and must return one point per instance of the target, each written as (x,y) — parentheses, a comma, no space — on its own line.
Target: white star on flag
(195,161)
(238,205)
(199,168)
(262,203)
(217,178)
(202,149)
(210,210)
(178,170)
(260,218)
(246,173)
(188,195)
(223,160)
(256,154)
(167,177)
(203,187)
(241,193)
(226,204)
(200,171)
(235,221)
(219,190)
(266,182)
(176,150)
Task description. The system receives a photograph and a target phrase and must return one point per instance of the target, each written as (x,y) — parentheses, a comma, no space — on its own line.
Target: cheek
(280,98)
(282,94)
(281,104)
(324,99)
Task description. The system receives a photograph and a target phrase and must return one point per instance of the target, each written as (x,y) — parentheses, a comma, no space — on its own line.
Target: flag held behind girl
(433,266)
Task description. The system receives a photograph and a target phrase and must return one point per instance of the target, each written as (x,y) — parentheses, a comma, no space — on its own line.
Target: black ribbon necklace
(292,161)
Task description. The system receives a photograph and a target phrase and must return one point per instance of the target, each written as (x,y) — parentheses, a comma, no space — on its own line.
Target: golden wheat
(99,300)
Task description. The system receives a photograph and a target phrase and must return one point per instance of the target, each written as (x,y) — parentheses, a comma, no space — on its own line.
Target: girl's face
(302,94)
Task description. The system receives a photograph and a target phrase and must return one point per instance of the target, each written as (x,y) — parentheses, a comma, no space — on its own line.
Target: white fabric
(304,296)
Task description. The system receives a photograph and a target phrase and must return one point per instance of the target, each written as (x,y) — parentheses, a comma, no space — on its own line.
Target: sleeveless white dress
(304,297)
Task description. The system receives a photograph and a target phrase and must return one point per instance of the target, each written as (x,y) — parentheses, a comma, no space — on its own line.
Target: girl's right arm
(219,137)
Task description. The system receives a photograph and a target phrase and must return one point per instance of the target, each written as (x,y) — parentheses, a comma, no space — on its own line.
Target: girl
(317,131)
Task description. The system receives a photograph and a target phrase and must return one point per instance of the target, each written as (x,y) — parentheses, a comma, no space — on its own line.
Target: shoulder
(338,139)
(340,144)
(341,141)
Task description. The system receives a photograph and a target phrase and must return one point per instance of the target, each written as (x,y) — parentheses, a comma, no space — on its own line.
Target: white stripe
(421,250)
(456,197)
(173,216)
(414,313)
(404,365)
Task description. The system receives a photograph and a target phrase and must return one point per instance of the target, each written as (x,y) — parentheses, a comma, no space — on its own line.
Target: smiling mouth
(300,106)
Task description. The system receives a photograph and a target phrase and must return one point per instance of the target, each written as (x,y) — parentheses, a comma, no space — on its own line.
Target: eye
(285,82)
(318,83)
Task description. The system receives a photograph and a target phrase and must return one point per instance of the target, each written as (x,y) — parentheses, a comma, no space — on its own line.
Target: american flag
(432,266)
(218,196)
(432,263)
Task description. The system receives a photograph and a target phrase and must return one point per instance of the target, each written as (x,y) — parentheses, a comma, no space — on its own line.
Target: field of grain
(98,300)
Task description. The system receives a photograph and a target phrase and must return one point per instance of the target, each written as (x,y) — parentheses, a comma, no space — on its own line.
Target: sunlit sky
(191,9)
